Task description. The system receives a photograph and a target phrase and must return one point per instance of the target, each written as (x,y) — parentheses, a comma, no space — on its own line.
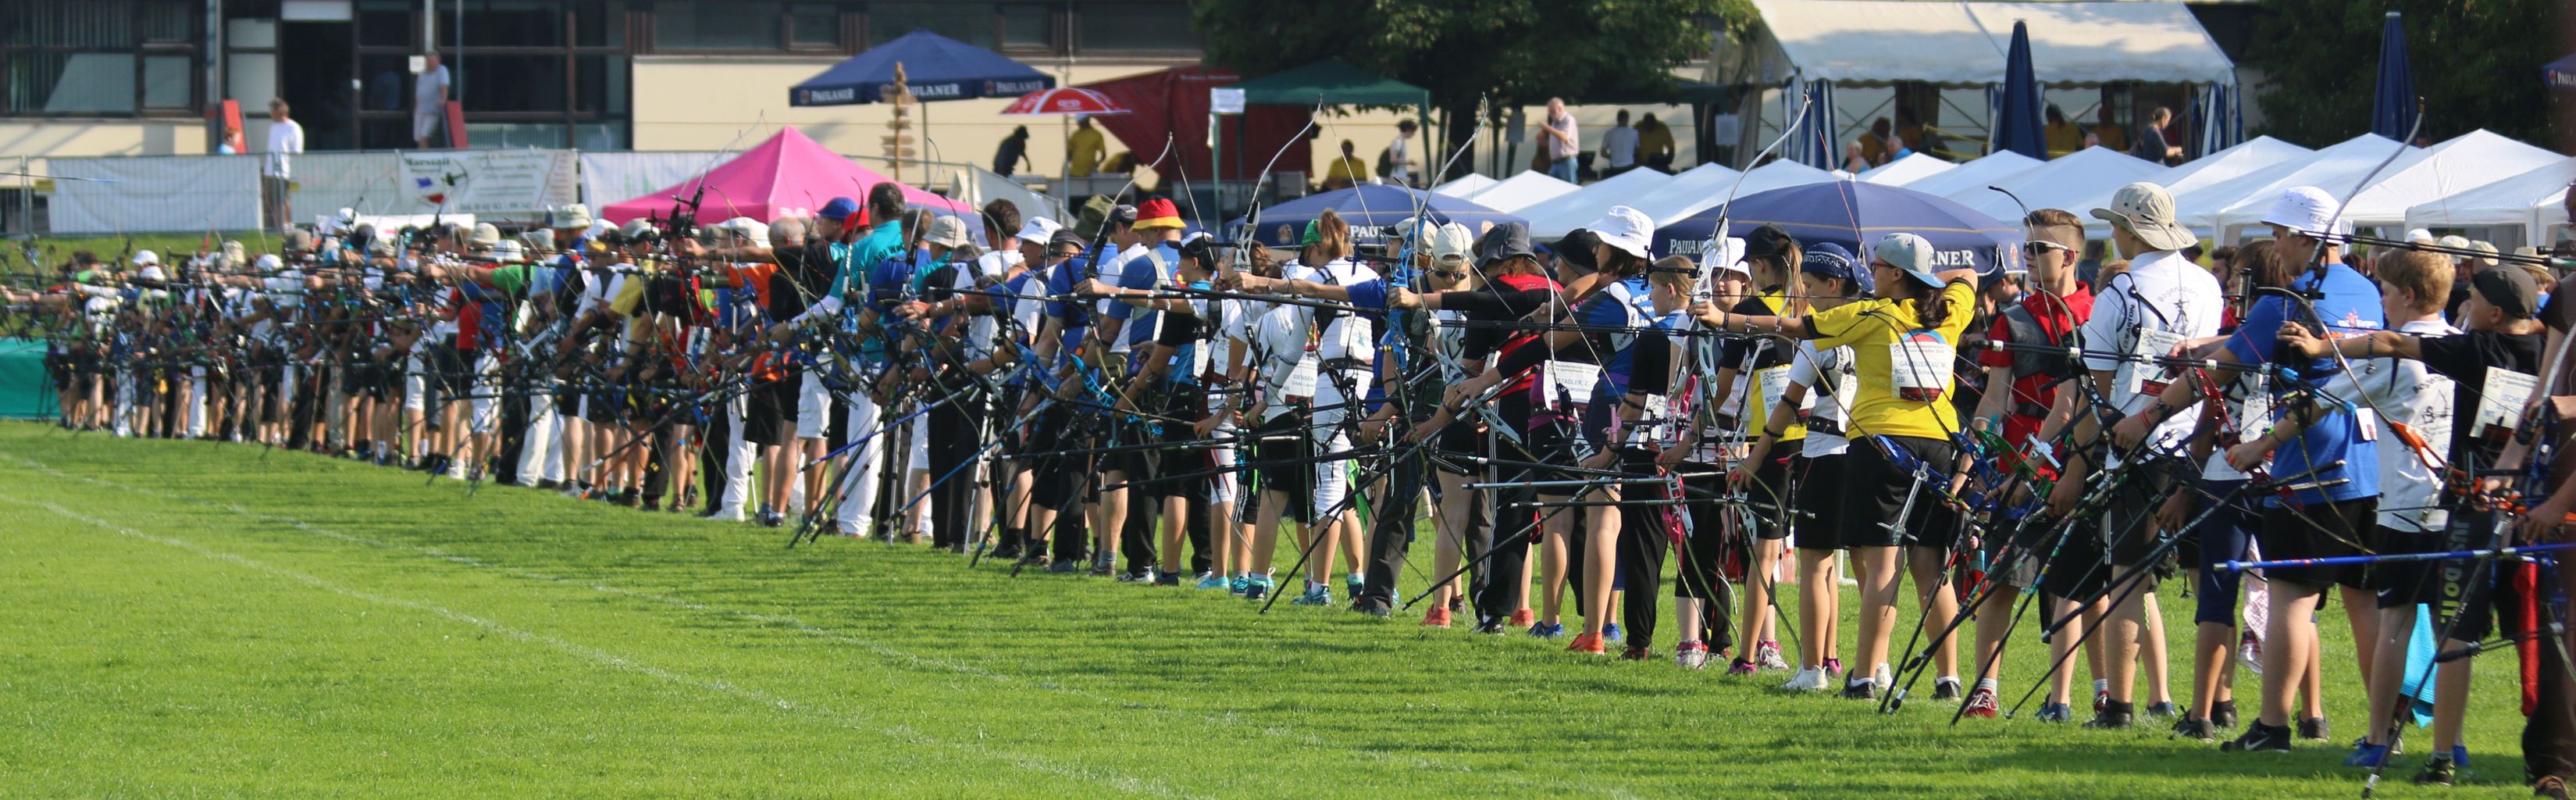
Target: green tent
(25,391)
(1332,82)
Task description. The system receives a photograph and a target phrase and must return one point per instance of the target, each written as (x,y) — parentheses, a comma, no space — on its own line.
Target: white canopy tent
(2253,154)
(1465,187)
(2343,162)
(1961,46)
(2529,208)
(1693,189)
(1913,167)
(1764,178)
(2449,168)
(1554,217)
(1521,191)
(1976,174)
(2062,183)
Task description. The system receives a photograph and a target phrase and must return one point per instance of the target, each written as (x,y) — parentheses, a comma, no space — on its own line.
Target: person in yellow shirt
(1901,465)
(2063,137)
(1084,149)
(1655,146)
(1346,171)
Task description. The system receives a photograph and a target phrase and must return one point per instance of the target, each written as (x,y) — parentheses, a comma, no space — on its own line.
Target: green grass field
(205,620)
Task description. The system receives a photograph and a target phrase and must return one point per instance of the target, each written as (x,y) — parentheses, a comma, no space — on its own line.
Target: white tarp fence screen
(155,193)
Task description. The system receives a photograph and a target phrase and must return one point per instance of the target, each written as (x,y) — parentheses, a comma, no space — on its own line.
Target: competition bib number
(2500,405)
(1572,380)
(2145,376)
(1919,365)
(1301,381)
(1774,384)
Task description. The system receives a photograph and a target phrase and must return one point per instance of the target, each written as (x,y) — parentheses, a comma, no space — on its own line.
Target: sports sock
(1989,684)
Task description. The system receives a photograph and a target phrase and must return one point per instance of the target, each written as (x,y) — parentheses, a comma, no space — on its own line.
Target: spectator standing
(1655,146)
(1014,150)
(429,102)
(2107,133)
(285,138)
(1084,149)
(1619,147)
(1560,139)
(1347,170)
(2151,144)
(1395,164)
(2063,137)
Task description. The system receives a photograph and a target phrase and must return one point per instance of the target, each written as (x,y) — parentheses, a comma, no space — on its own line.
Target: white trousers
(738,456)
(859,483)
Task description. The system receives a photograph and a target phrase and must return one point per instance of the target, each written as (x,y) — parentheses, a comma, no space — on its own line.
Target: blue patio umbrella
(1376,213)
(2017,120)
(1854,214)
(2392,110)
(935,67)
(2560,74)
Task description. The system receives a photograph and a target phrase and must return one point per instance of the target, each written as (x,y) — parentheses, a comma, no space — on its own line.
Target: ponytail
(1336,235)
(1930,311)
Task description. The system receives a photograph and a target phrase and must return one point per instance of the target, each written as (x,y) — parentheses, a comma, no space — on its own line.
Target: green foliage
(2476,63)
(189,619)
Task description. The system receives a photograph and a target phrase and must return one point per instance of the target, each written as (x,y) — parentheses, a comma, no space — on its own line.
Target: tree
(1513,52)
(2476,63)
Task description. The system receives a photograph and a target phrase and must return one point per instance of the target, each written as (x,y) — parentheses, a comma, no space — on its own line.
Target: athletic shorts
(1461,438)
(765,417)
(2454,586)
(1770,489)
(2222,536)
(1820,502)
(1875,492)
(1282,448)
(813,406)
(2320,530)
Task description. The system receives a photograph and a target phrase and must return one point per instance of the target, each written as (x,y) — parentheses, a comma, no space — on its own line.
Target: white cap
(1626,230)
(151,272)
(1449,245)
(142,257)
(485,235)
(949,231)
(507,250)
(2419,235)
(750,230)
(1037,229)
(2306,209)
(268,262)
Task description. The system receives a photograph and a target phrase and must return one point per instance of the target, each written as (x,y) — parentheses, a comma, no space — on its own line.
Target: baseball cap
(946,232)
(569,216)
(507,251)
(1158,212)
(839,209)
(1576,248)
(1910,254)
(1506,241)
(1768,241)
(485,235)
(1037,229)
(2306,209)
(1067,236)
(2489,249)
(749,230)
(1626,230)
(1830,260)
(1200,248)
(1450,244)
(638,231)
(2147,210)
(142,257)
(2509,288)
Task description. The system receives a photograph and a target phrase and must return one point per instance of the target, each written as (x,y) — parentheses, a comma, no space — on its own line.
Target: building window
(98,57)
(1028,27)
(971,23)
(599,23)
(692,25)
(386,23)
(1136,27)
(813,26)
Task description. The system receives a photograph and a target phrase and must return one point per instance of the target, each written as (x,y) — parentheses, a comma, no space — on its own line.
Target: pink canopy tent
(787,174)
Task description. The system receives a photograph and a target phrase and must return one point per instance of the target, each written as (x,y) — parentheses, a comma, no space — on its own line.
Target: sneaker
(2101,699)
(2223,713)
(1766,654)
(1810,679)
(1102,571)
(1161,578)
(1374,609)
(1833,667)
(1884,677)
(1458,605)
(2056,712)
(2259,737)
(1356,582)
(1316,595)
(2164,710)
(1007,552)
(1256,588)
(2366,755)
(1145,575)
(1587,643)
(2114,716)
(1945,690)
(1610,632)
(1636,654)
(1523,618)
(1981,704)
(2550,786)
(2315,729)
(1490,627)
(1738,667)
(1237,586)
(1435,618)
(1691,655)
(1210,582)
(1065,566)
(2198,728)
(1860,690)
(1547,630)
(2249,653)
(773,520)
(2438,771)
(2460,756)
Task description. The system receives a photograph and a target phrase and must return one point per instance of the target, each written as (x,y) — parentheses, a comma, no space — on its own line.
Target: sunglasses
(2038,247)
(1450,274)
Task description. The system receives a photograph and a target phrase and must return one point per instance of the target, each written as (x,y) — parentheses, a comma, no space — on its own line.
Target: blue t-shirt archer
(2348,305)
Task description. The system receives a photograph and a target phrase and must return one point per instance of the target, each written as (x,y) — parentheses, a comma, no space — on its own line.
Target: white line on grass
(1117,703)
(898,732)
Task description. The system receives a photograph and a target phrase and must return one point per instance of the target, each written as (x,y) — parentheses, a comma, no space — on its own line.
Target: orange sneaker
(1436,618)
(1587,643)
(1523,618)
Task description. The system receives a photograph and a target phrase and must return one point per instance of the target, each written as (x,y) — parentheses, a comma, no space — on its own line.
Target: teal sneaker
(1256,588)
(1211,581)
(1239,585)
(1317,594)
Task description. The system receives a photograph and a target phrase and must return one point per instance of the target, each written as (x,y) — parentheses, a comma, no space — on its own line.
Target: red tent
(788,173)
(1174,102)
